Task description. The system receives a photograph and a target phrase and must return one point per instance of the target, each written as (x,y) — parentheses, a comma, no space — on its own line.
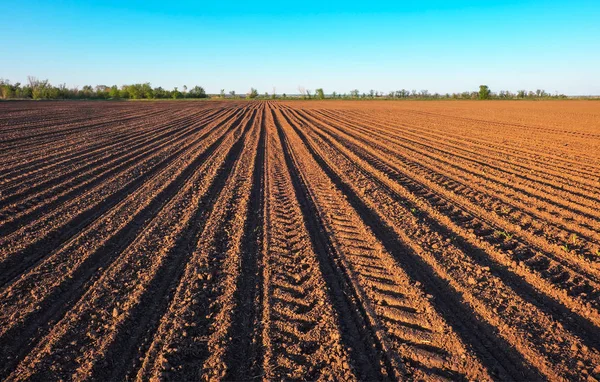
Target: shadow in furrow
(18,341)
(496,354)
(122,358)
(581,326)
(42,248)
(356,334)
(243,357)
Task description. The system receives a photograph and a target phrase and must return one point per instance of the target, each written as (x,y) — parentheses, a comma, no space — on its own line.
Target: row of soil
(193,337)
(572,274)
(37,239)
(97,327)
(562,229)
(467,268)
(87,146)
(486,137)
(525,182)
(49,193)
(551,143)
(284,241)
(411,337)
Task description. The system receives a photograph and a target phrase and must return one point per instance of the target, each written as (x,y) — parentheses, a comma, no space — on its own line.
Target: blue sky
(441,46)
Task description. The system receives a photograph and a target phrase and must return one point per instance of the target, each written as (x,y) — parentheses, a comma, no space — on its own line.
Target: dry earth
(300,240)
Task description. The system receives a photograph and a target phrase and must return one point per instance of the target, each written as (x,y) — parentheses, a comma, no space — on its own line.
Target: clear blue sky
(441,46)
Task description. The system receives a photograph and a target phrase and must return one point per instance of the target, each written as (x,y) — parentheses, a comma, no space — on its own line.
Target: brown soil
(300,240)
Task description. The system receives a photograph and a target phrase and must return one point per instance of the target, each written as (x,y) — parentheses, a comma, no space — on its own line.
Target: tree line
(483,93)
(43,89)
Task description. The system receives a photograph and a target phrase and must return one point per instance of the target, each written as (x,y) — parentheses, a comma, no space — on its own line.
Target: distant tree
(101,90)
(372,93)
(354,93)
(284,96)
(160,93)
(253,93)
(302,91)
(175,94)
(7,90)
(87,91)
(484,92)
(319,94)
(197,92)
(232,93)
(146,90)
(114,92)
(222,93)
(40,89)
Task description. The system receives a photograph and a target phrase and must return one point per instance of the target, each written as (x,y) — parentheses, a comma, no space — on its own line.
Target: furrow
(466,270)
(49,289)
(415,340)
(144,268)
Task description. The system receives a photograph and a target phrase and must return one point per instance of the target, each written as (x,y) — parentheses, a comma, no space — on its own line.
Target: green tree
(484,92)
(40,89)
(7,90)
(160,93)
(319,94)
(175,94)
(197,92)
(114,92)
(146,91)
(87,91)
(253,93)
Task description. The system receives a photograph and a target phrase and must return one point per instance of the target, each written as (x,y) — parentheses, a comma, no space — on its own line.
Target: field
(300,240)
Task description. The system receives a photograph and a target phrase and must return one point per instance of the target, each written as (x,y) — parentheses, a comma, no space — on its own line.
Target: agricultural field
(331,240)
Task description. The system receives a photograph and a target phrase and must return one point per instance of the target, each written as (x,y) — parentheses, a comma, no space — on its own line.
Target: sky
(441,46)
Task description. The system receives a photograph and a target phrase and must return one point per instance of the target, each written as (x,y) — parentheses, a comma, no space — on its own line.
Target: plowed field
(300,240)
